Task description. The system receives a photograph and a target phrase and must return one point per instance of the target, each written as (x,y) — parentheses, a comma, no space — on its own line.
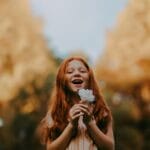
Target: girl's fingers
(83,105)
(84,110)
(79,106)
(76,112)
(77,115)
(80,109)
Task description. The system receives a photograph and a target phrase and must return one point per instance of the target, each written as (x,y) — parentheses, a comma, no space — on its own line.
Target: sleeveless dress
(82,141)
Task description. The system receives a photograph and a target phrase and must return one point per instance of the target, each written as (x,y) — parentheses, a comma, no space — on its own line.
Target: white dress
(82,141)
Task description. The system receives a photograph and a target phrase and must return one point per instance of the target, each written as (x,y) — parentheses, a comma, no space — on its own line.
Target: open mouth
(77,81)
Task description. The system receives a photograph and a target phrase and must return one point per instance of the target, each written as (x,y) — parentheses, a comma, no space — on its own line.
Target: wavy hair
(60,104)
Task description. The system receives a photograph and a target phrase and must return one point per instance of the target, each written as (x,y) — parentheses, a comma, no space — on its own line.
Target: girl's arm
(62,141)
(100,139)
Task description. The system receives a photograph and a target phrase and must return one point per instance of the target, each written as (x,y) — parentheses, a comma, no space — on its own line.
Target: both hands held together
(81,109)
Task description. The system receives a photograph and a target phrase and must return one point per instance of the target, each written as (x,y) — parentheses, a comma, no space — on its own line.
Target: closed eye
(83,71)
(69,72)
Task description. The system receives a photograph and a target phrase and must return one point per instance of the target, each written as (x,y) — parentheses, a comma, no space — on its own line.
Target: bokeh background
(36,36)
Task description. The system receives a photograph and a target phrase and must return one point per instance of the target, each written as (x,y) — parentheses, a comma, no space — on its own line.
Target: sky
(75,25)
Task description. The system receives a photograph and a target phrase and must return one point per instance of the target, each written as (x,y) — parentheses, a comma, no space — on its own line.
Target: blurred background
(35,36)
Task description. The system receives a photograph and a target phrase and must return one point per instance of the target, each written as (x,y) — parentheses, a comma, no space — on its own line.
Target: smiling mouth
(77,81)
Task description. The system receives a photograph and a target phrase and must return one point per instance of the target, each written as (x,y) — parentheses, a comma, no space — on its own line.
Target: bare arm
(101,139)
(62,141)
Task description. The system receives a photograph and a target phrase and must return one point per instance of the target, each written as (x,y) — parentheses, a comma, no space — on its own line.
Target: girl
(62,128)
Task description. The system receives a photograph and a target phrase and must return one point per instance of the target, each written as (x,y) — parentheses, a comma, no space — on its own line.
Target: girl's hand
(75,112)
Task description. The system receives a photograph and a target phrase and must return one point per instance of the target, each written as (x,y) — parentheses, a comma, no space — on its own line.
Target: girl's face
(77,75)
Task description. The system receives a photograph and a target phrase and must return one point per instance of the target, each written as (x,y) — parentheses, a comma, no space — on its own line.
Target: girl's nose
(77,73)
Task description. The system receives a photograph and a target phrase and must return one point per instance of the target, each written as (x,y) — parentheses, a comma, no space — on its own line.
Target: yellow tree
(124,69)
(26,71)
(127,54)
(24,54)
(126,59)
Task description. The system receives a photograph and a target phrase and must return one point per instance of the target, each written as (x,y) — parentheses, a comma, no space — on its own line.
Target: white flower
(86,94)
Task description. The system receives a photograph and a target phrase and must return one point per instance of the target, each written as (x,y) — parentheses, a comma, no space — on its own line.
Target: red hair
(60,104)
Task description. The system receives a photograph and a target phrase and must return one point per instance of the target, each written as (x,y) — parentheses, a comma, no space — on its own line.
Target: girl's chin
(77,89)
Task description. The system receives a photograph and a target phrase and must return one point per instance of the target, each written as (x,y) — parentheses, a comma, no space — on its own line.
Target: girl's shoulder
(43,128)
(48,120)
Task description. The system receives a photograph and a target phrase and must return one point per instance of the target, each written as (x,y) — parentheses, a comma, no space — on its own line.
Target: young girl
(62,128)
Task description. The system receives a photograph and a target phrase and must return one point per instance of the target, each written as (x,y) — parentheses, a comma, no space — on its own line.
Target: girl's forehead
(75,63)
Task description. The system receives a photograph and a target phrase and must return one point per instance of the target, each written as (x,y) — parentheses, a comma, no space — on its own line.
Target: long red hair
(60,104)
